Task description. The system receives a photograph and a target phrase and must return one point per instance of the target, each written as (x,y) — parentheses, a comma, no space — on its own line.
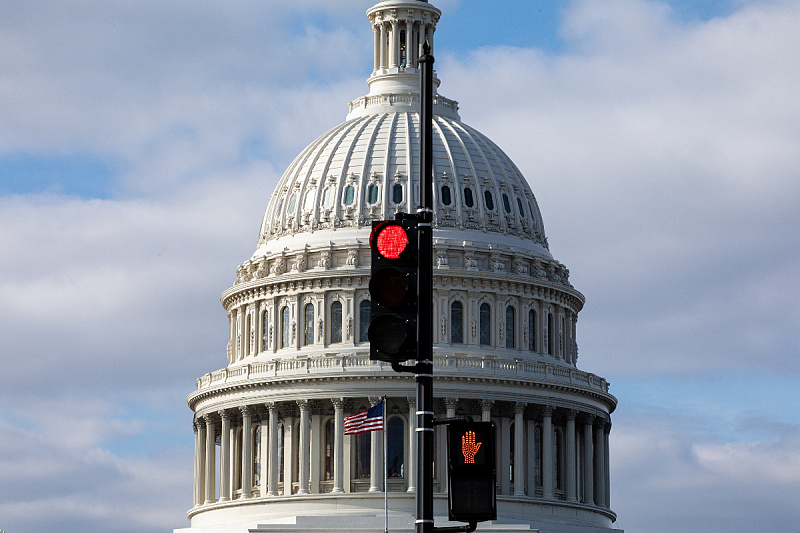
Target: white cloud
(664,158)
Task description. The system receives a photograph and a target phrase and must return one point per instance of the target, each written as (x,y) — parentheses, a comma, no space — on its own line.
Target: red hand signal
(469,447)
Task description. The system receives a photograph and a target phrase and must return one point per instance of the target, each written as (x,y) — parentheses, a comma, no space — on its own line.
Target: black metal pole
(424,520)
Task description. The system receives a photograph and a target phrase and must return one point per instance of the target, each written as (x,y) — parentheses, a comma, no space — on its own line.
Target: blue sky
(139,144)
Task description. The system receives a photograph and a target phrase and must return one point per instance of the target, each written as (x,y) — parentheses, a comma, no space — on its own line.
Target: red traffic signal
(393,290)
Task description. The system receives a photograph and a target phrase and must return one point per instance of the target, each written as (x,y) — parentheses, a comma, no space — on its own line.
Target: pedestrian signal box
(471,468)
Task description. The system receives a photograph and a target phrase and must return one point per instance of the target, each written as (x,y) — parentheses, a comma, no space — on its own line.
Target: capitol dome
(271,454)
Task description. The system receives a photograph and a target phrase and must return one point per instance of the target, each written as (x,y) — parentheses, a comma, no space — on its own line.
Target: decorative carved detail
(352,258)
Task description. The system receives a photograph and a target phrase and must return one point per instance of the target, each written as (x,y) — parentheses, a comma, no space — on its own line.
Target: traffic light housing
(472,493)
(393,290)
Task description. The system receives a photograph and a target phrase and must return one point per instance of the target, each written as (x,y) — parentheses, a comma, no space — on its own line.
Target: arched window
(489,200)
(264,330)
(521,210)
(329,435)
(550,346)
(395,448)
(446,199)
(469,201)
(285,327)
(403,48)
(308,325)
(510,320)
(532,330)
(349,192)
(485,316)
(362,455)
(456,323)
(364,317)
(336,322)
(561,337)
(372,194)
(397,193)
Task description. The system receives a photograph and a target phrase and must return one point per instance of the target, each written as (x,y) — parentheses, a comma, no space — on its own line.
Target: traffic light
(393,289)
(471,471)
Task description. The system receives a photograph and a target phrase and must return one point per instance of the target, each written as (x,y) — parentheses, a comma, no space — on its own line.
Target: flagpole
(385,470)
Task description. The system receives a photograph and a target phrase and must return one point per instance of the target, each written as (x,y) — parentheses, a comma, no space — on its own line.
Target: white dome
(368,169)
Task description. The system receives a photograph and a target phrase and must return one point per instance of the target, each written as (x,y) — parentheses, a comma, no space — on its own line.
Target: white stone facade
(270,452)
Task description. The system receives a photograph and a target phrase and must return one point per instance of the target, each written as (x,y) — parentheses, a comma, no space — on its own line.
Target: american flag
(369,420)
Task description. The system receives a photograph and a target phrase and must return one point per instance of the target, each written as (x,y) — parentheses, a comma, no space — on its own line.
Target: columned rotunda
(270,453)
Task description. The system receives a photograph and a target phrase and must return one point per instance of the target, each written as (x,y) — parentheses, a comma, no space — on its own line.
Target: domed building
(271,453)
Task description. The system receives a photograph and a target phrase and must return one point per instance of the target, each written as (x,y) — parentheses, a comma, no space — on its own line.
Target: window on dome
(308,203)
(349,192)
(280,451)
(469,201)
(521,210)
(395,449)
(364,317)
(264,330)
(336,322)
(446,199)
(550,346)
(308,325)
(487,197)
(327,197)
(456,323)
(485,316)
(292,203)
(532,330)
(372,194)
(402,48)
(510,319)
(285,327)
(397,193)
(506,203)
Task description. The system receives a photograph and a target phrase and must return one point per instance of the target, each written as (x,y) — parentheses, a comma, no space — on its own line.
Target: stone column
(247,451)
(304,447)
(451,404)
(409,39)
(376,61)
(486,410)
(606,433)
(548,484)
(530,462)
(519,454)
(288,454)
(264,447)
(211,485)
(199,462)
(316,448)
(338,444)
(225,457)
(505,454)
(384,50)
(376,455)
(571,492)
(411,467)
(274,461)
(599,460)
(393,41)
(588,466)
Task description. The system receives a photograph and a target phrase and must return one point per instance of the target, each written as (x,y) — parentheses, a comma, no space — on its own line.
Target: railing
(392,99)
(444,365)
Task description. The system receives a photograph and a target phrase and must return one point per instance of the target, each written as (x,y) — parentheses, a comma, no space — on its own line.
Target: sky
(140,141)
